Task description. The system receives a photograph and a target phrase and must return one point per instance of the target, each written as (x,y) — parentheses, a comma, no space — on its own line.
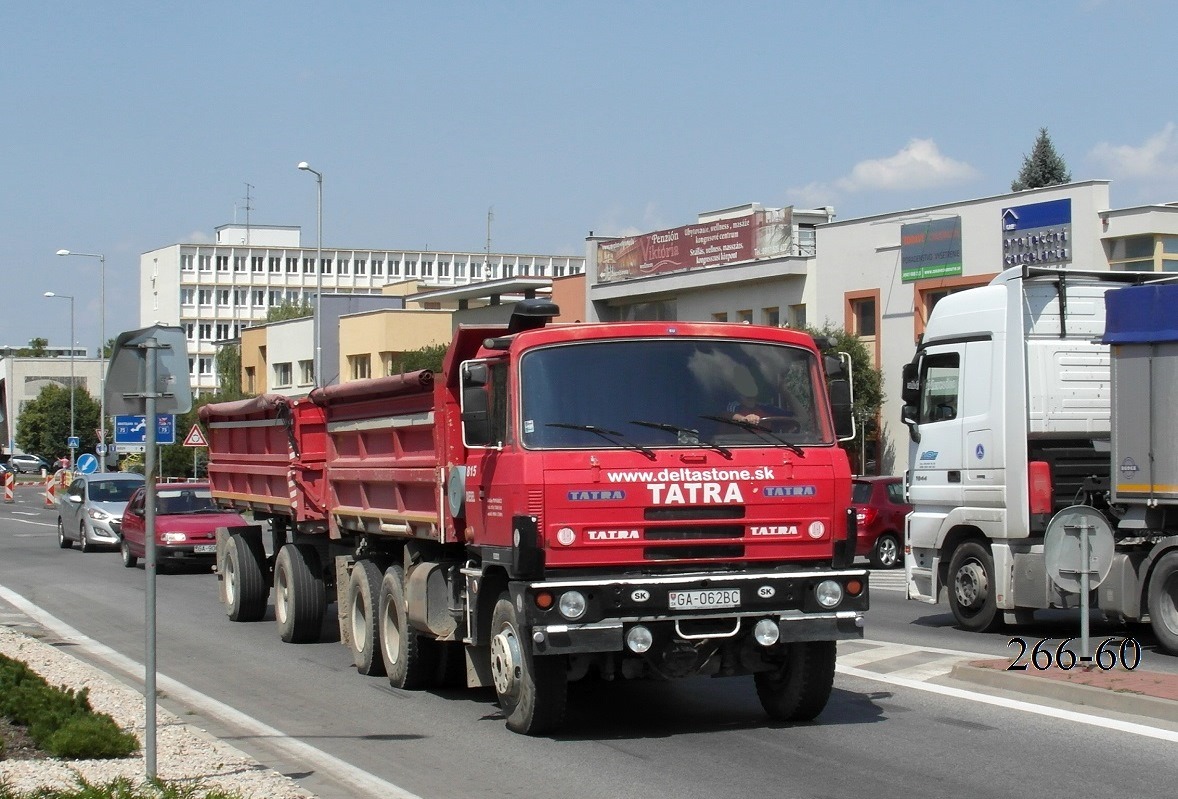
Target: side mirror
(910,391)
(834,367)
(840,405)
(908,417)
(74,498)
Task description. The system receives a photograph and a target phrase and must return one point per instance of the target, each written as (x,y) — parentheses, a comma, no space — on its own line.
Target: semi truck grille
(693,513)
(688,533)
(703,552)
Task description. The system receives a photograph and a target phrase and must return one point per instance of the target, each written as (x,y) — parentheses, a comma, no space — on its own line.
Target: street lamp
(303,165)
(73,462)
(101,350)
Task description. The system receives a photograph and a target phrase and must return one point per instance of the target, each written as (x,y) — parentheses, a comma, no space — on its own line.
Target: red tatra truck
(559,500)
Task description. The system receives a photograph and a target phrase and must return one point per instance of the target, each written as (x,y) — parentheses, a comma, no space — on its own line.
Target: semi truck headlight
(572,605)
(766,632)
(639,639)
(828,593)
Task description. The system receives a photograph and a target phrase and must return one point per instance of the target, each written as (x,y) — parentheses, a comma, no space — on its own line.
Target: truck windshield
(661,392)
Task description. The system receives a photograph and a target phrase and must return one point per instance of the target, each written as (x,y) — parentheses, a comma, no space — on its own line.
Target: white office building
(215,290)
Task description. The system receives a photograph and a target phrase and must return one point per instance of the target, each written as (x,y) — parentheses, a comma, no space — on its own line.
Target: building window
(863,314)
(191,368)
(190,330)
(720,317)
(205,296)
(239,297)
(308,266)
(186,296)
(394,267)
(206,366)
(508,271)
(222,263)
(260,298)
(360,366)
(378,267)
(306,373)
(239,262)
(771,317)
(343,266)
(223,331)
(292,266)
(282,375)
(476,270)
(251,380)
(361,266)
(275,299)
(206,263)
(186,263)
(223,298)
(443,269)
(744,317)
(411,269)
(460,269)
(206,331)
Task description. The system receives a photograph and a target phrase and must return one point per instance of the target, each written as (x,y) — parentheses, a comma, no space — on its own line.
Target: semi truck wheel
(1163,602)
(410,660)
(245,584)
(532,690)
(800,688)
(363,596)
(300,598)
(971,587)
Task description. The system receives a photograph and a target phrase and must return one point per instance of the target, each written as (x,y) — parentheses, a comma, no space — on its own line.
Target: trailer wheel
(246,593)
(300,598)
(971,587)
(886,552)
(799,689)
(532,690)
(1163,602)
(410,660)
(363,596)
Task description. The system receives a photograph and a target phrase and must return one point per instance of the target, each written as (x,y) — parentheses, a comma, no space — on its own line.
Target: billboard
(762,234)
(930,249)
(1038,234)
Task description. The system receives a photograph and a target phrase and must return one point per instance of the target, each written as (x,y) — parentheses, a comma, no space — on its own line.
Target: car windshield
(174,502)
(112,490)
(860,492)
(668,392)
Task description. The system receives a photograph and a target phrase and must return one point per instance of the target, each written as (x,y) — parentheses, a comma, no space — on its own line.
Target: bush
(91,737)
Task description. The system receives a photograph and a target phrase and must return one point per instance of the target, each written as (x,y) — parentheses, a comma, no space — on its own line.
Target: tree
(1043,167)
(289,310)
(866,382)
(44,426)
(424,358)
(228,366)
(36,349)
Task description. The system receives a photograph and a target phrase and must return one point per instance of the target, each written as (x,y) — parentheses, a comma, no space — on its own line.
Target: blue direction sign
(132,429)
(87,463)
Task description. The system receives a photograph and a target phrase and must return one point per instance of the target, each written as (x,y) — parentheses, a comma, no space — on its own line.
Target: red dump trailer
(559,500)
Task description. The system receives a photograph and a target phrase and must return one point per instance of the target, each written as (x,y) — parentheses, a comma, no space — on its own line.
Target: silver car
(90,510)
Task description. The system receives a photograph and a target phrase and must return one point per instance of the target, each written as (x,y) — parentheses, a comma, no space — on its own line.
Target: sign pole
(149,565)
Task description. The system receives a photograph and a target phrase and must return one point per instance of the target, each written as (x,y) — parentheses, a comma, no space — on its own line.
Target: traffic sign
(195,438)
(87,463)
(100,449)
(132,429)
(73,442)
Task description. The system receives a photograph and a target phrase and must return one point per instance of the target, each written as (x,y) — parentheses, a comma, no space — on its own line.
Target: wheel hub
(506,660)
(888,552)
(971,585)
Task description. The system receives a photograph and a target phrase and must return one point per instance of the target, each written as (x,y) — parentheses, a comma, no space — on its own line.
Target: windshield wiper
(612,436)
(687,436)
(764,432)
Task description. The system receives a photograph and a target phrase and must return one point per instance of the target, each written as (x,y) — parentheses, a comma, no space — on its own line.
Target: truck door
(937,469)
(485,435)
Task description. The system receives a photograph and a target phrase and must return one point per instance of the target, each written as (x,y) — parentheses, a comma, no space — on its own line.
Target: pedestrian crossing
(888,580)
(885,660)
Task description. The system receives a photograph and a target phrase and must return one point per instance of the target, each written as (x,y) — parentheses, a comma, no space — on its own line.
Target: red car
(880,510)
(186,521)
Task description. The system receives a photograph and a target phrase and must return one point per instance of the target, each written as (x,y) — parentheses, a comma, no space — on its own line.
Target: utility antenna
(490,217)
(248,208)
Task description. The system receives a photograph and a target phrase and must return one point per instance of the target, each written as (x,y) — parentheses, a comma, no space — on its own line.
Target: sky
(130,125)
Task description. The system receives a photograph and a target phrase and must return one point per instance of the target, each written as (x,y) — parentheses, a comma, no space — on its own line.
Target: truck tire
(886,552)
(410,660)
(363,598)
(246,593)
(1163,602)
(300,598)
(799,689)
(971,587)
(62,541)
(532,690)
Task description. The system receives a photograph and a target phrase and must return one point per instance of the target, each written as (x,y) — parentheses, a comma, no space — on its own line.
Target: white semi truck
(1022,404)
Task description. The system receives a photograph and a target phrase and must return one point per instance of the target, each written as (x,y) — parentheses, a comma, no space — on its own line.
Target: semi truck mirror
(910,392)
(840,405)
(908,417)
(476,418)
(834,367)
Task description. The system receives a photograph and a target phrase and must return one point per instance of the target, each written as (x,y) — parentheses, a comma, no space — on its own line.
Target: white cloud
(920,165)
(1155,159)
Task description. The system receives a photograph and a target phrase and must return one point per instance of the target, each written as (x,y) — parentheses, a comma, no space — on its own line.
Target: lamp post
(69,297)
(318,366)
(101,350)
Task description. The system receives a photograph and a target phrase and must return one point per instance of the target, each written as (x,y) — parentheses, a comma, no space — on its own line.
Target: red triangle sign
(195,438)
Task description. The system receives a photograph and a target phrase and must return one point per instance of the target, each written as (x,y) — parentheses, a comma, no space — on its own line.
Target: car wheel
(129,560)
(886,552)
(62,541)
(83,539)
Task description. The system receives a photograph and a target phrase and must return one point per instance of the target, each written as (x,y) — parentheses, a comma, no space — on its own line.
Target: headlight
(639,639)
(766,632)
(572,605)
(173,538)
(98,515)
(829,593)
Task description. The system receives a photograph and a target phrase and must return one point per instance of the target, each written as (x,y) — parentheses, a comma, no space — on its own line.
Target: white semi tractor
(1025,400)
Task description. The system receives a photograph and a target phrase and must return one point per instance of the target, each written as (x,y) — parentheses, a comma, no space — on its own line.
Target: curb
(1123,701)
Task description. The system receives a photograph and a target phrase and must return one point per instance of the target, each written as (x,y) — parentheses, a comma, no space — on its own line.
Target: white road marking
(341,771)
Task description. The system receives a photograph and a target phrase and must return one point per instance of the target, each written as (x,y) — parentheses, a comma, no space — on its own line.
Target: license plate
(202,549)
(703,599)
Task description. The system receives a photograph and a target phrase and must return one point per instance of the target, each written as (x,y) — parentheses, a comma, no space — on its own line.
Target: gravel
(185,754)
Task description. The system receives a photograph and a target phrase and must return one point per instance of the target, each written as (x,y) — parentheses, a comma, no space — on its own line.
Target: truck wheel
(532,690)
(246,593)
(886,552)
(129,560)
(300,598)
(62,541)
(363,595)
(799,689)
(1163,602)
(410,660)
(971,587)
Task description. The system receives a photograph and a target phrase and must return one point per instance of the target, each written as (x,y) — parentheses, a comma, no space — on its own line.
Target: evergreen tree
(1043,167)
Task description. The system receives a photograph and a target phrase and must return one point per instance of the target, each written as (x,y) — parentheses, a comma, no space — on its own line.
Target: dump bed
(383,465)
(266,455)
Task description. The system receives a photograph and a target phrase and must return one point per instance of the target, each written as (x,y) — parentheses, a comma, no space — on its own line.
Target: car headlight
(173,538)
(98,515)
(829,593)
(572,605)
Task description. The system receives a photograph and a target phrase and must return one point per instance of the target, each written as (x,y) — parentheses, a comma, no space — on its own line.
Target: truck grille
(701,552)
